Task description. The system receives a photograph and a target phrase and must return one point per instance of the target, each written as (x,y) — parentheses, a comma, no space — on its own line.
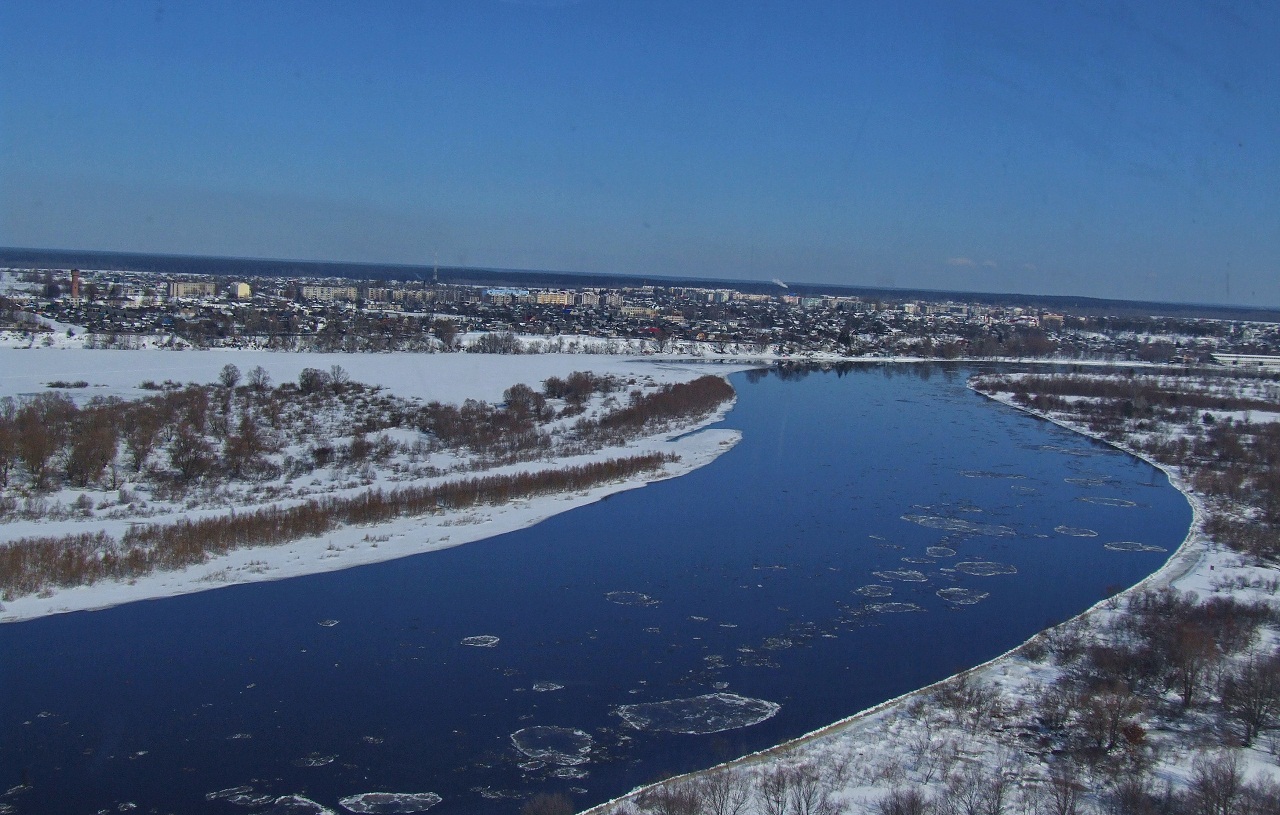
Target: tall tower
(75,284)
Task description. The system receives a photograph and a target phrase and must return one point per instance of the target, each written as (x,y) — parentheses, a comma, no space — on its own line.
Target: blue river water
(745,578)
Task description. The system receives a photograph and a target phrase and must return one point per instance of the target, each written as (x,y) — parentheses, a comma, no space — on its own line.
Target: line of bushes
(31,565)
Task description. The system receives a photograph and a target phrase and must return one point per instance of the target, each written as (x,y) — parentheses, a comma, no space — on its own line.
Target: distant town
(117,309)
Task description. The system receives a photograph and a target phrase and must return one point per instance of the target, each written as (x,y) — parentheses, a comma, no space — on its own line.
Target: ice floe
(1133,546)
(315,760)
(1107,501)
(963,597)
(1075,531)
(990,474)
(296,805)
(893,608)
(712,713)
(227,793)
(390,802)
(905,575)
(328,623)
(940,551)
(874,590)
(481,641)
(960,525)
(547,687)
(631,598)
(985,568)
(565,746)
(1089,482)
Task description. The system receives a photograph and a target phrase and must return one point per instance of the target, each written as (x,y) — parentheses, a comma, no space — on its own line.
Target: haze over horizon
(1100,149)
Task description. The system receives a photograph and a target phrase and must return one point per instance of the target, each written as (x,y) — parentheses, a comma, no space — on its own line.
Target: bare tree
(683,797)
(1251,694)
(809,796)
(190,454)
(1063,792)
(774,787)
(259,379)
(1217,784)
(726,792)
(909,801)
(229,376)
(140,434)
(1105,710)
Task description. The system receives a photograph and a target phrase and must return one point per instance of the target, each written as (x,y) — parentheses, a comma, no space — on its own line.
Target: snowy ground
(449,378)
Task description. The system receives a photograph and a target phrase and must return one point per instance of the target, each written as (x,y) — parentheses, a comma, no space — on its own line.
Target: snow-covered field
(448,378)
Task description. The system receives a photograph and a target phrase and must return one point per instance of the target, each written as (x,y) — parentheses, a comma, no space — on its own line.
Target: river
(875,530)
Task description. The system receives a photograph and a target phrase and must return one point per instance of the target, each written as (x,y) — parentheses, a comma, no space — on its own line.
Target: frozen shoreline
(446,377)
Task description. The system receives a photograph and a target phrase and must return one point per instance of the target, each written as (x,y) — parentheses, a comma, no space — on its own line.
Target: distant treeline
(31,565)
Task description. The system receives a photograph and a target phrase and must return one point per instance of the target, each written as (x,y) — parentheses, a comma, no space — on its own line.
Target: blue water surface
(750,567)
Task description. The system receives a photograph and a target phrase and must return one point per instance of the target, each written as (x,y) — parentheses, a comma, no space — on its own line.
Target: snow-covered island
(323,430)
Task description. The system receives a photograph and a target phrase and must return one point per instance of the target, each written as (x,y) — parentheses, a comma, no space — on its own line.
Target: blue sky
(1092,148)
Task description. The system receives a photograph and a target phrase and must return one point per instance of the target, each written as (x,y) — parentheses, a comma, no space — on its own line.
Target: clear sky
(1095,148)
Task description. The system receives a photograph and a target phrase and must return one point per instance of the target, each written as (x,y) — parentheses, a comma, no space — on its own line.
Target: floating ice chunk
(776,643)
(1075,531)
(497,795)
(940,551)
(963,597)
(874,590)
(712,713)
(1080,481)
(1070,451)
(315,760)
(239,736)
(893,608)
(905,575)
(990,474)
(1133,546)
(720,685)
(480,641)
(390,802)
(251,801)
(698,619)
(532,765)
(575,773)
(1023,490)
(328,623)
(985,568)
(227,793)
(960,525)
(1107,501)
(297,805)
(631,598)
(916,559)
(558,745)
(547,687)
